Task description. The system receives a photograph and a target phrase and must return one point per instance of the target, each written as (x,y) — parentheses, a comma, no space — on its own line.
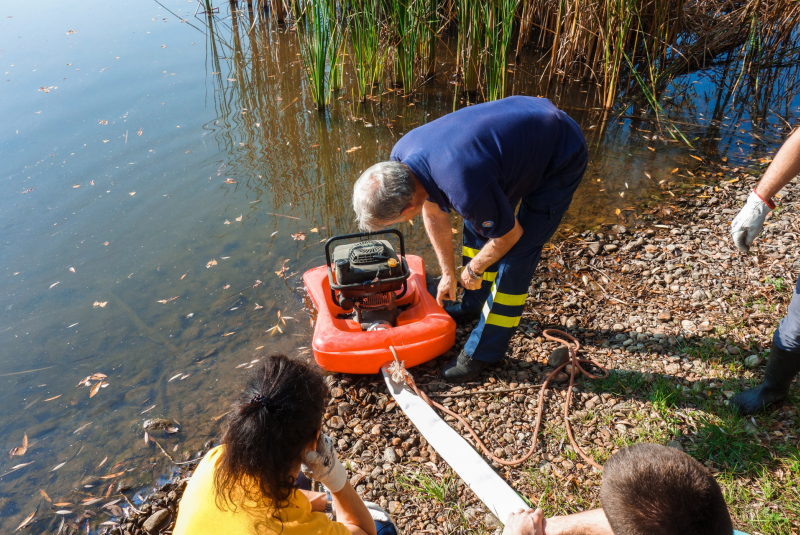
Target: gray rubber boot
(782,367)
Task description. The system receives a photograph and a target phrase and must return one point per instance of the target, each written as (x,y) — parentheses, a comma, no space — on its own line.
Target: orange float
(409,318)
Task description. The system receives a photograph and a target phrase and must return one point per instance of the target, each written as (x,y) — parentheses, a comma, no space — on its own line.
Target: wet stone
(154,521)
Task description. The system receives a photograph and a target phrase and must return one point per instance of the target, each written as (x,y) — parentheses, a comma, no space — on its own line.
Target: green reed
(368,49)
(321,37)
(498,27)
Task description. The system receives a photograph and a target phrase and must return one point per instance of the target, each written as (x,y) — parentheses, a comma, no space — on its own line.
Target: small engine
(365,278)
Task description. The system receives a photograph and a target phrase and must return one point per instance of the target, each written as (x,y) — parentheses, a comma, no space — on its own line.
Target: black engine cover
(365,262)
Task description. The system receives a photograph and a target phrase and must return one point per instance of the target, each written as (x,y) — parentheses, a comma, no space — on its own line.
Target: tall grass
(321,35)
(367,48)
(626,47)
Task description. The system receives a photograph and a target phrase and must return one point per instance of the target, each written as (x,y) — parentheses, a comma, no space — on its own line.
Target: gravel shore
(662,299)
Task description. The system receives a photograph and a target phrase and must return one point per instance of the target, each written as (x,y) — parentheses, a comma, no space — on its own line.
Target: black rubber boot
(460,315)
(463,368)
(781,370)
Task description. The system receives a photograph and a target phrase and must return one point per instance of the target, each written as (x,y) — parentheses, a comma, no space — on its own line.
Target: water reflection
(251,151)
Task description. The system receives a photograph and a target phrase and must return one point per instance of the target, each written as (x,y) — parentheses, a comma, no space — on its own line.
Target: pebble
(390,455)
(154,521)
(752,361)
(664,315)
(610,247)
(594,248)
(337,392)
(688,325)
(618,327)
(558,356)
(336,422)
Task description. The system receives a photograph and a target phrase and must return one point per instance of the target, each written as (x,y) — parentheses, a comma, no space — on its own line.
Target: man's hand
(528,522)
(446,290)
(748,224)
(468,282)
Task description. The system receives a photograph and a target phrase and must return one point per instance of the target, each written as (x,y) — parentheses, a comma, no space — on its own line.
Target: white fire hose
(492,490)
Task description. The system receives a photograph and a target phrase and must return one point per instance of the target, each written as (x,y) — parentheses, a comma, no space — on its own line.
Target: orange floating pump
(369,298)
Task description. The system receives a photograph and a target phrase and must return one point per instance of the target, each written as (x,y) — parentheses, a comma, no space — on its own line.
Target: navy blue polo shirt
(481,160)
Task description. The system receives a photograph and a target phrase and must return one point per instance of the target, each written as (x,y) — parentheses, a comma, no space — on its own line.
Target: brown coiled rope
(551,334)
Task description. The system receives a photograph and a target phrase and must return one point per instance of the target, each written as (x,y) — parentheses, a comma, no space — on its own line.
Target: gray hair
(381,193)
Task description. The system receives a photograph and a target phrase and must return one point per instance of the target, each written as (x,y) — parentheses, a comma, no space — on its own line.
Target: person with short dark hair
(647,489)
(248,484)
(510,169)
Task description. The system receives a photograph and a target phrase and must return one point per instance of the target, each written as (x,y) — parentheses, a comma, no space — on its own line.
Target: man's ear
(409,207)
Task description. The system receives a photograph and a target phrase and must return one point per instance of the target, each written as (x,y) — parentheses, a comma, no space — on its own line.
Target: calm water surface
(156,166)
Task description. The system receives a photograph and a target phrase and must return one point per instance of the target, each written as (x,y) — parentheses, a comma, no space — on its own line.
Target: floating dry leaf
(352,149)
(63,512)
(100,304)
(139,132)
(163,301)
(229,181)
(27,521)
(172,430)
(146,438)
(148,409)
(54,285)
(72,269)
(62,504)
(239,218)
(112,476)
(315,229)
(227,222)
(76,186)
(228,334)
(299,236)
(258,306)
(90,501)
(45,496)
(97,376)
(95,389)
(132,193)
(52,398)
(211,263)
(102,121)
(81,428)
(226,286)
(102,462)
(58,466)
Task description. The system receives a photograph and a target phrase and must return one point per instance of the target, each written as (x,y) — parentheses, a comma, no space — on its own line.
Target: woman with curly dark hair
(248,485)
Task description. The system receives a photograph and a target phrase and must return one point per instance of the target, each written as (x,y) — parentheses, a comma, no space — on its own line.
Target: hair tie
(261,400)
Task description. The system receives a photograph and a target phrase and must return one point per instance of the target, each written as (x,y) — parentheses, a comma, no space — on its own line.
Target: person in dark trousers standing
(481,162)
(784,357)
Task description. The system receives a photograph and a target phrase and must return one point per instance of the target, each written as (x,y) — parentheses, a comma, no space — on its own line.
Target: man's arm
(437,224)
(492,251)
(592,522)
(786,165)
(783,168)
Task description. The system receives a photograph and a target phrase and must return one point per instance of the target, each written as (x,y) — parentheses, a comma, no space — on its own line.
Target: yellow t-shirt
(198,513)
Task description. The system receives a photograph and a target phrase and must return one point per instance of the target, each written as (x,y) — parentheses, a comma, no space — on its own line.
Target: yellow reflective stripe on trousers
(469,252)
(510,299)
(502,321)
(492,318)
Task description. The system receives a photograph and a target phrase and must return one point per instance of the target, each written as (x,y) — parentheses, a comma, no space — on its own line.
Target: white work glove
(525,522)
(323,465)
(748,224)
(377,512)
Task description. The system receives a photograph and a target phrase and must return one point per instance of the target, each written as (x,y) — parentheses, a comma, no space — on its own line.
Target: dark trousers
(501,297)
(787,336)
